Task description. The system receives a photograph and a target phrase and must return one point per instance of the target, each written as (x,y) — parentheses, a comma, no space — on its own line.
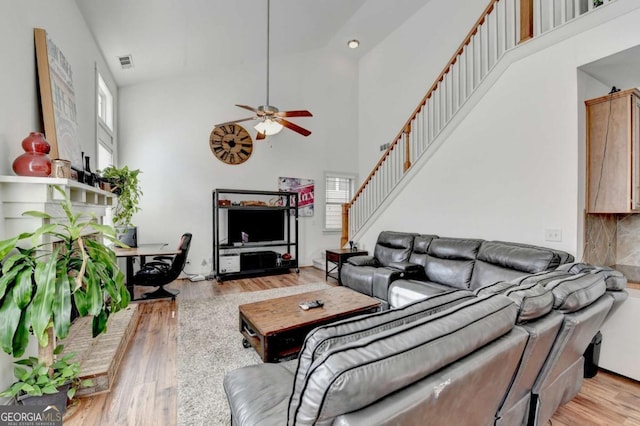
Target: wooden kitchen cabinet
(613,153)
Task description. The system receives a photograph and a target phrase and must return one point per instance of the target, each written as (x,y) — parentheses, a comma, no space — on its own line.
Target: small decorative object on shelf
(35,161)
(89,177)
(61,169)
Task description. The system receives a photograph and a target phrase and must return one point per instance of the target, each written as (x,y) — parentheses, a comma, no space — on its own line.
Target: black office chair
(159,273)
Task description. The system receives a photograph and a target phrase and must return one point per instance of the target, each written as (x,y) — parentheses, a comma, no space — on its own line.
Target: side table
(336,257)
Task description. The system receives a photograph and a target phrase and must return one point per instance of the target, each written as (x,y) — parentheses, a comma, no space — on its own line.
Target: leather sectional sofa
(478,333)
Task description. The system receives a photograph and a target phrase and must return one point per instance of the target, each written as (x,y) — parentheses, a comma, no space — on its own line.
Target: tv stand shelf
(255,233)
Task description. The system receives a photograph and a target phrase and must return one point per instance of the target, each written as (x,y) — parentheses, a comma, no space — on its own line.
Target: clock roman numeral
(243,152)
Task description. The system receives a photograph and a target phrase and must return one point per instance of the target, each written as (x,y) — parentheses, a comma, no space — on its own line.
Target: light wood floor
(145,391)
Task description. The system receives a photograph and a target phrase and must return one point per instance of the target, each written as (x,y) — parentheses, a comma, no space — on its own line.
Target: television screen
(252,226)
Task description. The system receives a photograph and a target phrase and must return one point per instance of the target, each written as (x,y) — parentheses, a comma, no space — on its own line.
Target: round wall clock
(231,143)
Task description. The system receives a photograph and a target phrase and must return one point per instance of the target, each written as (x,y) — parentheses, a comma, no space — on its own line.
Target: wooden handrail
(433,87)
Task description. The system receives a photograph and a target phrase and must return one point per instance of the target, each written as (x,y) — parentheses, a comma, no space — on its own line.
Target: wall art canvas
(304,188)
(58,100)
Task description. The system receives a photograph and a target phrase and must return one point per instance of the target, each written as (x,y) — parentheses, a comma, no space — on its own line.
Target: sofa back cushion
(393,247)
(420,251)
(500,261)
(330,336)
(533,300)
(349,377)
(450,261)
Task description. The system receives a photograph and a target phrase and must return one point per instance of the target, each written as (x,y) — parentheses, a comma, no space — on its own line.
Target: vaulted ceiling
(171,37)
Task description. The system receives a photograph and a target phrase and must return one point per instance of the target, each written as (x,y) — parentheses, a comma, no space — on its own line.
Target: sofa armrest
(382,279)
(406,266)
(363,261)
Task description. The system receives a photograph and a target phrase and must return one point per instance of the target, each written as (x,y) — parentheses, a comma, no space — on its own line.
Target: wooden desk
(141,252)
(336,258)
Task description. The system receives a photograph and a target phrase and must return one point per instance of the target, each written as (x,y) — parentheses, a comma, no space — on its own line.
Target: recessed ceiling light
(353,44)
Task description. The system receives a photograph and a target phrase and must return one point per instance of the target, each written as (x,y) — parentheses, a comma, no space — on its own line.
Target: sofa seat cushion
(259,394)
(348,377)
(402,292)
(327,337)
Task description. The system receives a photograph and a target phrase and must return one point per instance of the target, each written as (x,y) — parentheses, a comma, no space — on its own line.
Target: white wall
(513,167)
(19,104)
(395,75)
(165,127)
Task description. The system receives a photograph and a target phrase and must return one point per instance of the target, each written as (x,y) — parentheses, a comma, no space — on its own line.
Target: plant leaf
(62,306)
(7,245)
(44,229)
(38,214)
(104,229)
(8,281)
(21,335)
(23,288)
(9,319)
(42,305)
(99,323)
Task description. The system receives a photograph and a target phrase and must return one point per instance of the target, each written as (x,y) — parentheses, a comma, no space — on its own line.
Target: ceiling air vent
(126,61)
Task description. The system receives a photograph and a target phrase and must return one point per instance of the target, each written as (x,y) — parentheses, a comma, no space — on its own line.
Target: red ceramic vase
(35,161)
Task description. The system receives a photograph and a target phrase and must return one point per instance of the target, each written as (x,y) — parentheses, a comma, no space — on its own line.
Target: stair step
(100,357)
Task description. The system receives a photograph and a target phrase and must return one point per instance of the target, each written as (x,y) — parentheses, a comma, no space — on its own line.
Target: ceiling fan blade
(260,136)
(250,108)
(294,127)
(298,113)
(236,121)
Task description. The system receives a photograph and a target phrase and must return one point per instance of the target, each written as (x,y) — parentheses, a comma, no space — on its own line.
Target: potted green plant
(38,384)
(125,184)
(40,282)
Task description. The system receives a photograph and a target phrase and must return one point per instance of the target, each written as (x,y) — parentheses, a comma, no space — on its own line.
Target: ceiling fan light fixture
(353,44)
(268,127)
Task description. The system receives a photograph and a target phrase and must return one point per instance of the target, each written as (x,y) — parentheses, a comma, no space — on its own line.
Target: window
(105,103)
(339,189)
(105,125)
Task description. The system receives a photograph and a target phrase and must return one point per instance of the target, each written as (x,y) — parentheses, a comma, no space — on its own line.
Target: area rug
(210,345)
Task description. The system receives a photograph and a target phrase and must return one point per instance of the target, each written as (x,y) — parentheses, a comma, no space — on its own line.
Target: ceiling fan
(271,118)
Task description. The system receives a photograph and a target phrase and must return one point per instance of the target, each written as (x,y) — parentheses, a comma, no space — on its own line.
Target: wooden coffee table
(276,328)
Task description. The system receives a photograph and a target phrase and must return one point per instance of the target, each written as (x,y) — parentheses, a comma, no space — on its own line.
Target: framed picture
(58,100)
(304,188)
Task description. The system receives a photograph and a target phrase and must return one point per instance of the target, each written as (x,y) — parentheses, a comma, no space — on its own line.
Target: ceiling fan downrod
(268,55)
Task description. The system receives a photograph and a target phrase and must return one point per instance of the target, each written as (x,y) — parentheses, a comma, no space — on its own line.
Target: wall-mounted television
(257,225)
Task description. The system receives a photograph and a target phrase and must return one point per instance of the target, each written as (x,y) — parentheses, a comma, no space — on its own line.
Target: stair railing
(502,26)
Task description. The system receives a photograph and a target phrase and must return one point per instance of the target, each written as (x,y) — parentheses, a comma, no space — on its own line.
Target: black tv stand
(234,259)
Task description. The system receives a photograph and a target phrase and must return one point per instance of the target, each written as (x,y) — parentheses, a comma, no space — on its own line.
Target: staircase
(502,27)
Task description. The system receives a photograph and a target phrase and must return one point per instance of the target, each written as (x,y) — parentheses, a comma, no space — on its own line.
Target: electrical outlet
(554,235)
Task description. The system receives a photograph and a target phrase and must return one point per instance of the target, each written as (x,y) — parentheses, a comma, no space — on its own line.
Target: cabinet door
(609,148)
(635,153)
